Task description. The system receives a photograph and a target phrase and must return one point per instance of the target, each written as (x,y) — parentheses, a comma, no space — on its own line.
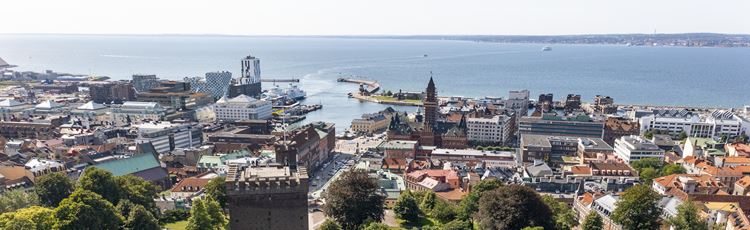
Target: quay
(372,86)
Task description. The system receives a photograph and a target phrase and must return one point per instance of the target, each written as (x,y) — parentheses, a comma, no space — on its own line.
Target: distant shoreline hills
(683,39)
(676,39)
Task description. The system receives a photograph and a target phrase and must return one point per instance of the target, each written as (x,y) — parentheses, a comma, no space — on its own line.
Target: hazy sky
(374,17)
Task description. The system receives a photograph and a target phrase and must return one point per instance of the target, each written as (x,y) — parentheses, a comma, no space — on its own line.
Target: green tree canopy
(687,218)
(137,190)
(428,201)
(329,225)
(406,208)
(564,217)
(199,217)
(375,226)
(124,207)
(354,198)
(217,190)
(443,211)
(638,209)
(533,228)
(648,174)
(218,220)
(593,222)
(470,203)
(171,216)
(53,188)
(17,199)
(100,182)
(672,169)
(141,219)
(85,209)
(34,217)
(513,207)
(457,225)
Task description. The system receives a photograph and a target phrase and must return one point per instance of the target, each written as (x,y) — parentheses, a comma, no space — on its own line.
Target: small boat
(546,48)
(425,55)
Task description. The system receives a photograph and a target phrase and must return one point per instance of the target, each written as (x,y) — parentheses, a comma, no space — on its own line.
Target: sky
(374,17)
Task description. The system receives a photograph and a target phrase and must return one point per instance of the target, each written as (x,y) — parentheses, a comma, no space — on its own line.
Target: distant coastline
(673,39)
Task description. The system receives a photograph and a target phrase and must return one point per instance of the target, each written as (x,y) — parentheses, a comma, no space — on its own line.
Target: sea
(660,75)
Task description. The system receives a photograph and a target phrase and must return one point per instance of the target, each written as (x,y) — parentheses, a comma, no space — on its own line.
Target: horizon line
(357,35)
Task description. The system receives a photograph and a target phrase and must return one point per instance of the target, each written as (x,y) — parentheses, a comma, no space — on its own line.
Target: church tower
(430,105)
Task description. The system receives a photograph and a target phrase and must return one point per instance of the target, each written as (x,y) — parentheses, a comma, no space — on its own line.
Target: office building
(630,148)
(371,123)
(143,83)
(242,107)
(578,126)
(112,92)
(496,129)
(249,82)
(215,84)
(518,101)
(708,125)
(166,136)
(176,95)
(267,197)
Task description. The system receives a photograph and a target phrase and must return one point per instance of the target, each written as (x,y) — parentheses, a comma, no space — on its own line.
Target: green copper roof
(133,164)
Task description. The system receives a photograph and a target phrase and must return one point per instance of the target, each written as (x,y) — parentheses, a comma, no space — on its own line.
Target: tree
(124,207)
(443,212)
(199,217)
(406,208)
(17,199)
(687,218)
(562,214)
(593,222)
(217,190)
(218,220)
(648,174)
(141,218)
(34,217)
(53,188)
(329,225)
(428,201)
(470,203)
(354,198)
(100,182)
(648,134)
(650,162)
(513,207)
(458,225)
(138,191)
(171,216)
(375,226)
(85,209)
(638,209)
(672,169)
(683,135)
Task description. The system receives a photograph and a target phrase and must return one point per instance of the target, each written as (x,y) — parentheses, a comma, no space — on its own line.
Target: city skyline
(335,17)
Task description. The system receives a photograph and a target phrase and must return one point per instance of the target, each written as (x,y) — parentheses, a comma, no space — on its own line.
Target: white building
(166,136)
(242,107)
(489,130)
(250,70)
(630,148)
(518,101)
(136,111)
(709,125)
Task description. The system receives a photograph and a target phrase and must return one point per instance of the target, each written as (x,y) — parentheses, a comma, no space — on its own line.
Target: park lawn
(387,98)
(181,225)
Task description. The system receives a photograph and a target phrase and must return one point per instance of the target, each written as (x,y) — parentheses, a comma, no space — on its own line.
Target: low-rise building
(630,148)
(689,184)
(371,123)
(166,136)
(136,111)
(488,158)
(578,126)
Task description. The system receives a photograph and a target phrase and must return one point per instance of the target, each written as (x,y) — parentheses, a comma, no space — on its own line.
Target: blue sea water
(638,75)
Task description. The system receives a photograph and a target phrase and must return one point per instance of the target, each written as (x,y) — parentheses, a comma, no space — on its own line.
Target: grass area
(393,99)
(181,225)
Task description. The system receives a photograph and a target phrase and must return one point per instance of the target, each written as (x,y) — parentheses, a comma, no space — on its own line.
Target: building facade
(630,148)
(496,129)
(242,107)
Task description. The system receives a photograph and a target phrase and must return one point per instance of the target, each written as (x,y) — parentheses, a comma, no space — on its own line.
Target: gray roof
(535,140)
(539,169)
